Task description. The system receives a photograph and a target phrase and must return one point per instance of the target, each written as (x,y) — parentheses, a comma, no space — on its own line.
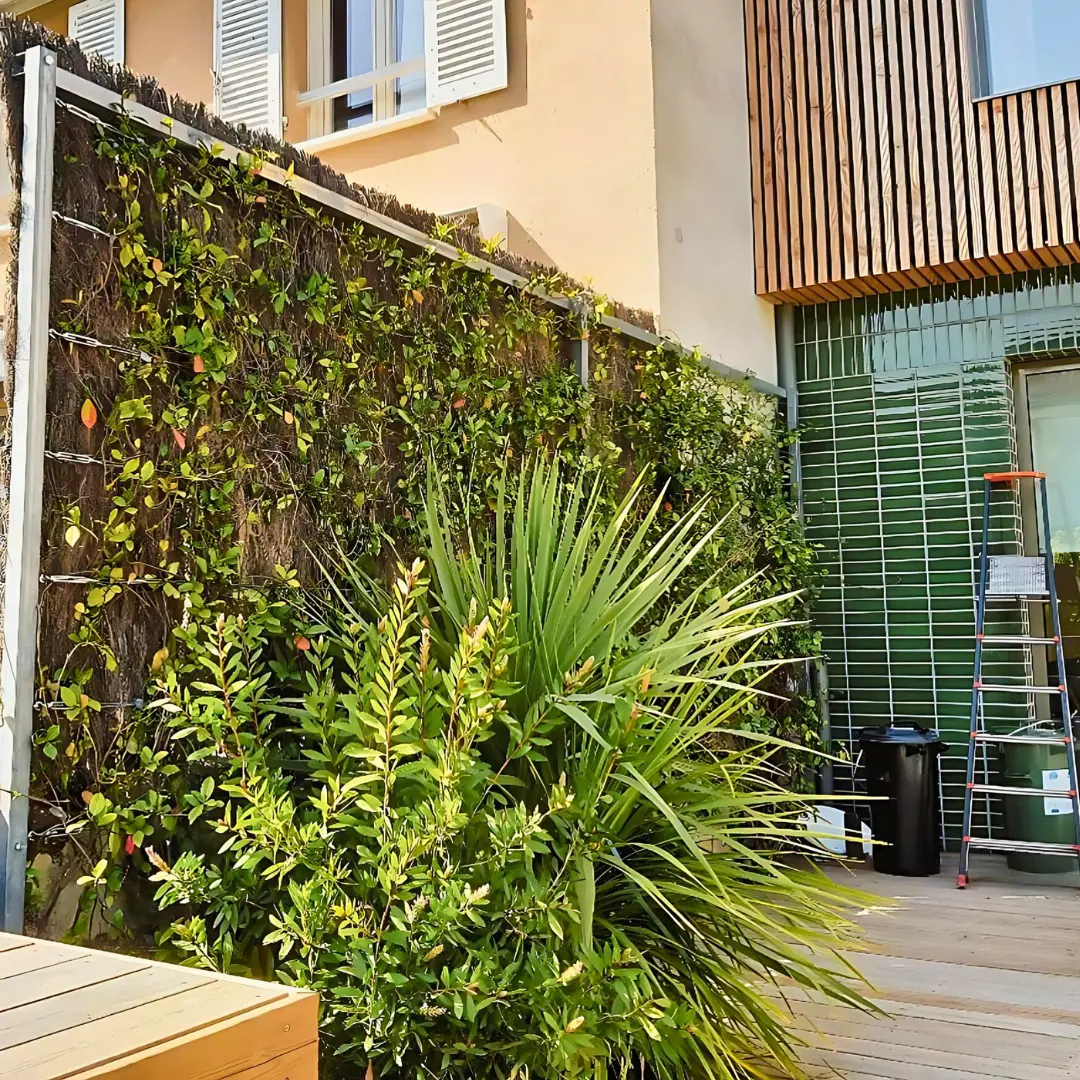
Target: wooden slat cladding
(873,168)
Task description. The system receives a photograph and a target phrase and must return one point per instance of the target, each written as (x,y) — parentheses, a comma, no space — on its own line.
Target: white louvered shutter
(98,27)
(247,63)
(465,46)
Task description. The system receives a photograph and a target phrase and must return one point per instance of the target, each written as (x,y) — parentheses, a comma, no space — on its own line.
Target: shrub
(480,818)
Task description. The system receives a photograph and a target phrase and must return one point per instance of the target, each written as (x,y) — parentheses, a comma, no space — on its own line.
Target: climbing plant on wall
(242,386)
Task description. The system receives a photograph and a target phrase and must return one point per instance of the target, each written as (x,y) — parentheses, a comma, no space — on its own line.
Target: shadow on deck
(978,984)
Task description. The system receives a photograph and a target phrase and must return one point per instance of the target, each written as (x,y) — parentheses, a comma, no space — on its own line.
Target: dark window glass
(370,35)
(352,41)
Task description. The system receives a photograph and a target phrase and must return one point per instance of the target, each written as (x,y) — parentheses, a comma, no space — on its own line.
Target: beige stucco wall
(173,40)
(706,240)
(625,165)
(567,149)
(179,52)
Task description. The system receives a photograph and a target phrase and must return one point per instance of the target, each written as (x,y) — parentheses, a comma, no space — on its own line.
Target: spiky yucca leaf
(690,849)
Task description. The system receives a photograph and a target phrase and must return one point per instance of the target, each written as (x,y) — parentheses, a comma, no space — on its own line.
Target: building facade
(575,137)
(916,173)
(878,199)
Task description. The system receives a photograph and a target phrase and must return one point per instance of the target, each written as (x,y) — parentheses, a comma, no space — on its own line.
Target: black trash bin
(901,767)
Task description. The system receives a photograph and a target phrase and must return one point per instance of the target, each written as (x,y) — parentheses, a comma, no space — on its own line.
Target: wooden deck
(978,984)
(74,1013)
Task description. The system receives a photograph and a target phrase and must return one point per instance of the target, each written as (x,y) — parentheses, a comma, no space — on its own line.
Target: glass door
(1049,410)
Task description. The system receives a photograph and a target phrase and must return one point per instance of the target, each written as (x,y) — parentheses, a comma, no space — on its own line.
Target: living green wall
(906,400)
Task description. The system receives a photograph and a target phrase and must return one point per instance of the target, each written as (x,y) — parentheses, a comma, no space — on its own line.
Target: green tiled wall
(906,401)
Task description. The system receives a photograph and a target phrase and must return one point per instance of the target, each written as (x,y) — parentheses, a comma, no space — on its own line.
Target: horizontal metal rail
(1021,740)
(998,789)
(1003,688)
(1016,639)
(1035,847)
(108,103)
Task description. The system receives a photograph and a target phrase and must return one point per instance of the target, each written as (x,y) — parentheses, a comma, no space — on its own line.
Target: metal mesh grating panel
(892,473)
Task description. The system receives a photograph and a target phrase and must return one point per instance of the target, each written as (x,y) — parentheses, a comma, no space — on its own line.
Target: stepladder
(1024,580)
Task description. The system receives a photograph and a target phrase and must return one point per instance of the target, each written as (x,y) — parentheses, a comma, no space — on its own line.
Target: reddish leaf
(197,365)
(88,414)
(129,844)
(459,403)
(302,644)
(180,437)
(289,418)
(158,266)
(260,199)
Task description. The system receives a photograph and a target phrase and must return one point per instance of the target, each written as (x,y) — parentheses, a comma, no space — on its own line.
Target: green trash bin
(1029,817)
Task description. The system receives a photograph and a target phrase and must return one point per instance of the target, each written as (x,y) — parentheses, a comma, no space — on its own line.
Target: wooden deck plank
(856,1066)
(965,946)
(62,978)
(945,1049)
(220,1050)
(916,1058)
(93,1002)
(12,941)
(36,957)
(906,1031)
(112,1038)
(301,1064)
(983,983)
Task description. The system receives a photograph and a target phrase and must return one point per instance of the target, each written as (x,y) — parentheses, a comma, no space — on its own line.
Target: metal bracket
(17,669)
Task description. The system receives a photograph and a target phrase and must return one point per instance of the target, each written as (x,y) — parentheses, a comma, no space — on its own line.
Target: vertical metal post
(580,352)
(787,376)
(30,370)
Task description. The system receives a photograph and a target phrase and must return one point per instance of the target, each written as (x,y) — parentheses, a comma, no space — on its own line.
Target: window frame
(979,52)
(326,101)
(1029,511)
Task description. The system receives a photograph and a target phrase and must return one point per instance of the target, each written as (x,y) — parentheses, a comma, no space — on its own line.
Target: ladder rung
(1022,740)
(1034,846)
(1016,639)
(996,688)
(1046,793)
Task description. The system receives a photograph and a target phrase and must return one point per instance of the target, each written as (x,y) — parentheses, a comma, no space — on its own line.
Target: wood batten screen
(873,167)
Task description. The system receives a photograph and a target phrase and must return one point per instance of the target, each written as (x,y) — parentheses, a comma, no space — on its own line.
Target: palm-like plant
(684,840)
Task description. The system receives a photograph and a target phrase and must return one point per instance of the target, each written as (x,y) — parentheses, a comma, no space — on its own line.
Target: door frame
(1029,511)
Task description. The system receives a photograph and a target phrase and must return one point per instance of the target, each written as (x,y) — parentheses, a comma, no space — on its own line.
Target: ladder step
(997,789)
(1021,740)
(1033,846)
(1016,639)
(996,688)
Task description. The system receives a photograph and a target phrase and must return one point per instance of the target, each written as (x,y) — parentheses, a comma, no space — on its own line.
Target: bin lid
(901,734)
(1040,730)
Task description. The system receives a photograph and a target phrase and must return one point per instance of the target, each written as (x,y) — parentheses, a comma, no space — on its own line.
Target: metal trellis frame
(47,85)
(17,674)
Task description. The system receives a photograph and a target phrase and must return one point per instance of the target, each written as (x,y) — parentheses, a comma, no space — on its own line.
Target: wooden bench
(67,1012)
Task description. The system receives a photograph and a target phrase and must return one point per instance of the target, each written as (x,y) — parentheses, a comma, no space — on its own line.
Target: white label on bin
(1056,780)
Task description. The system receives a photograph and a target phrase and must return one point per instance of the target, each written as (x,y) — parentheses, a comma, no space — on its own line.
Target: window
(372,63)
(374,35)
(1025,43)
(98,27)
